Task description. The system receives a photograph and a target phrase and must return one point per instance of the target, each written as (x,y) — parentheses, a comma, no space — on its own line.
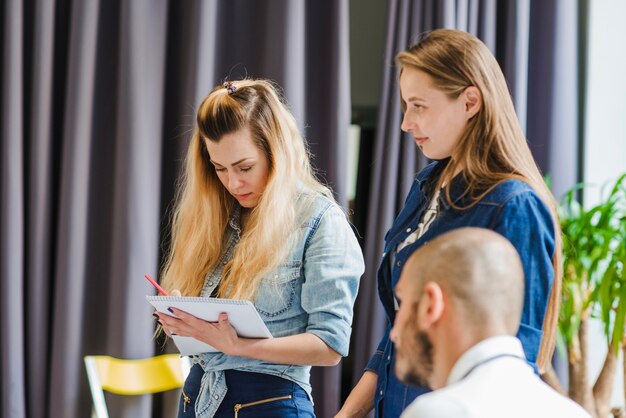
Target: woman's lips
(421,140)
(242,196)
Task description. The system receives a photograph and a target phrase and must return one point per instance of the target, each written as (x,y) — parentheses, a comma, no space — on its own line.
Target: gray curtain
(536,43)
(97,104)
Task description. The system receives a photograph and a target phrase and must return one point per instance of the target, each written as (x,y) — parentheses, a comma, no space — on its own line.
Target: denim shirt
(512,209)
(312,291)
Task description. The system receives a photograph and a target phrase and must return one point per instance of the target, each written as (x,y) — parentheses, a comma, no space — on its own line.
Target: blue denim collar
(460,194)
(235,219)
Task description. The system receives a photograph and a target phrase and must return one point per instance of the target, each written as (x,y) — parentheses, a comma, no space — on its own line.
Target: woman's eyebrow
(235,163)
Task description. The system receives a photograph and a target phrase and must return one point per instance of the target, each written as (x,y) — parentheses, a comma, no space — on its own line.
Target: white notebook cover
(241,313)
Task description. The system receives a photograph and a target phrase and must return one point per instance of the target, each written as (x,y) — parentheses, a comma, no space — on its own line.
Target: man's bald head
(478,269)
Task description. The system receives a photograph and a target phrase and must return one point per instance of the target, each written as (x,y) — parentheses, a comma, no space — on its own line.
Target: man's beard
(419,360)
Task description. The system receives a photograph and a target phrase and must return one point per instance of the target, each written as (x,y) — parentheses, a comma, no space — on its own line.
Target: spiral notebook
(242,315)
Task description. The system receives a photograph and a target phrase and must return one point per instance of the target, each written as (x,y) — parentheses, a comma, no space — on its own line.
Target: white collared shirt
(492,379)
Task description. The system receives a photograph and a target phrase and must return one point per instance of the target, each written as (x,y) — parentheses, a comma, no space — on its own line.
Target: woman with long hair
(252,222)
(458,110)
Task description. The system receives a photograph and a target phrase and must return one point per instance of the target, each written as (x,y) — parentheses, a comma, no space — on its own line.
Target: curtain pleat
(12,213)
(40,212)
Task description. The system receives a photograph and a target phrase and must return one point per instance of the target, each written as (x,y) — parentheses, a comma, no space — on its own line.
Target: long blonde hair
(204,206)
(493,148)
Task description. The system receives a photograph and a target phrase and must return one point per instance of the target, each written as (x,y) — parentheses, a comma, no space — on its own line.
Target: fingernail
(159,321)
(155,315)
(170,309)
(171,333)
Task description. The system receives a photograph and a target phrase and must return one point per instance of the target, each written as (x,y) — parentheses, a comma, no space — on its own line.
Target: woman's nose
(234,181)
(407,124)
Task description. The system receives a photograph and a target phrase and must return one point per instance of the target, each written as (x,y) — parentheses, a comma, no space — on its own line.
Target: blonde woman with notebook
(252,222)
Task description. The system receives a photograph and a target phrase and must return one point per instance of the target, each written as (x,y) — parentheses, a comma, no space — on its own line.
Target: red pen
(155,284)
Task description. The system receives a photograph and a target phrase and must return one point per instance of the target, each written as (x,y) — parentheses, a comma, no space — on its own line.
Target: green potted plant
(594,285)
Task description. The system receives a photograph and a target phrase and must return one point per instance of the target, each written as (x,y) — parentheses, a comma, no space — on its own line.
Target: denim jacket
(512,209)
(317,286)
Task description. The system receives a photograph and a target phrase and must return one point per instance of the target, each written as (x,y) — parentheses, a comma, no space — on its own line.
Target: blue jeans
(250,395)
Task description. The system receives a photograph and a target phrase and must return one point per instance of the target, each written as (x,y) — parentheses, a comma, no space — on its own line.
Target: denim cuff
(332,330)
(374,363)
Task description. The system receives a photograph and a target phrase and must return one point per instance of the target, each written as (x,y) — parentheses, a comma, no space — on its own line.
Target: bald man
(461,299)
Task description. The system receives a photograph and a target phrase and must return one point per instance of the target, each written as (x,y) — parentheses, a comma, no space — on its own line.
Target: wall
(368,26)
(605,133)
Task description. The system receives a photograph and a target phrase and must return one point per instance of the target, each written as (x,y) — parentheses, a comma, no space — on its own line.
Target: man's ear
(430,307)
(473,101)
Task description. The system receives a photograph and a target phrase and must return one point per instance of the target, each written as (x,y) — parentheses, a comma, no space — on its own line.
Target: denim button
(381,392)
(210,283)
(215,397)
(408,230)
(398,264)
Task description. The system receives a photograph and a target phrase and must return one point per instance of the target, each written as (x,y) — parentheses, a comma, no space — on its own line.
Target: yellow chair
(133,377)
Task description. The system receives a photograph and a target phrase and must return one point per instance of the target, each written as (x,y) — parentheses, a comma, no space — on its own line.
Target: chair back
(133,377)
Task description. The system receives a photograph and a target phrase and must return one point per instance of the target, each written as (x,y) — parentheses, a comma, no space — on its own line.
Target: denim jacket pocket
(276,292)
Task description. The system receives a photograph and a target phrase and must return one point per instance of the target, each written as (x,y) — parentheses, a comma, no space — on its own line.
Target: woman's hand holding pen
(221,335)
